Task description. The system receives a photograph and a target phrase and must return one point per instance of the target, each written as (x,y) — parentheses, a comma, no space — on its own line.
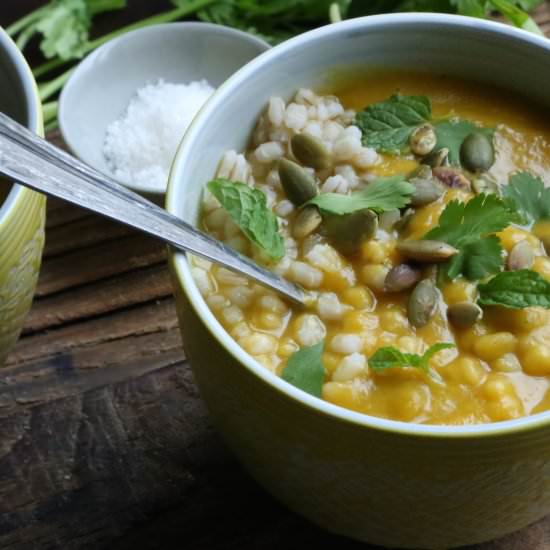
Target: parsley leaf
(516,290)
(527,195)
(248,209)
(467,226)
(390,357)
(380,195)
(387,125)
(305,369)
(451,134)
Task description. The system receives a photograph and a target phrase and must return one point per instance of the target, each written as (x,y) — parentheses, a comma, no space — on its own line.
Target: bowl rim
(88,62)
(33,104)
(184,280)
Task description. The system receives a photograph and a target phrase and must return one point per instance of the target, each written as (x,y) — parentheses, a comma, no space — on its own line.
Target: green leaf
(305,369)
(527,195)
(386,126)
(516,290)
(380,195)
(472,8)
(516,15)
(248,209)
(451,134)
(468,227)
(390,357)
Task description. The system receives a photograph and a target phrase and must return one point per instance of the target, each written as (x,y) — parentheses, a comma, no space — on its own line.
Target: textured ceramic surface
(376,480)
(22,213)
(102,85)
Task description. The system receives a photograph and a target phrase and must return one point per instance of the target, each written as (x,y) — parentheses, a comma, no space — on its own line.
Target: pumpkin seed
(307,221)
(521,256)
(425,192)
(485,184)
(437,158)
(464,314)
(422,303)
(299,186)
(426,250)
(311,151)
(452,178)
(402,224)
(349,231)
(422,140)
(401,277)
(388,219)
(421,171)
(477,152)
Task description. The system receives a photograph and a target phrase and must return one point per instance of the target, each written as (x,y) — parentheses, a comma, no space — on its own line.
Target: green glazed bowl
(22,212)
(385,482)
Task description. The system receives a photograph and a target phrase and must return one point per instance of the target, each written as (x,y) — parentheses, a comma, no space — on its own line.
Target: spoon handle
(31,161)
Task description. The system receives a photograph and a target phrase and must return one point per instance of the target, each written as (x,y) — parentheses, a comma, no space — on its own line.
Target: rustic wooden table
(104,440)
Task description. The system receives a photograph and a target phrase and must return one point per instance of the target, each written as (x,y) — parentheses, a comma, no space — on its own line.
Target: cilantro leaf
(248,209)
(386,126)
(527,195)
(451,134)
(380,195)
(305,369)
(390,357)
(467,226)
(516,290)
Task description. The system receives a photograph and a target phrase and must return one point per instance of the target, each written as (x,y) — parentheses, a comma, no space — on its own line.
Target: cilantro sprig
(390,357)
(470,227)
(527,195)
(248,209)
(381,195)
(516,290)
(305,369)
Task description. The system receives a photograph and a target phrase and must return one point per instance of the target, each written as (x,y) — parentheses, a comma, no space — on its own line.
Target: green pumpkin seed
(422,303)
(426,251)
(348,232)
(485,184)
(311,151)
(403,223)
(422,140)
(307,221)
(477,152)
(437,158)
(401,277)
(421,171)
(464,314)
(452,178)
(425,192)
(387,220)
(521,256)
(299,186)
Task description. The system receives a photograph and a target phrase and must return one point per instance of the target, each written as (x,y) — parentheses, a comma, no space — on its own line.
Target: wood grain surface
(104,440)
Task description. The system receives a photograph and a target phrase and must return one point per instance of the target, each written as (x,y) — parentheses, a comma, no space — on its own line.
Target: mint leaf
(451,134)
(527,195)
(386,126)
(248,209)
(380,195)
(467,226)
(516,290)
(305,369)
(390,357)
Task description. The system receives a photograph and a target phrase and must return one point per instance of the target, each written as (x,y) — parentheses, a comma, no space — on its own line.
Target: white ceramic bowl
(100,88)
(377,480)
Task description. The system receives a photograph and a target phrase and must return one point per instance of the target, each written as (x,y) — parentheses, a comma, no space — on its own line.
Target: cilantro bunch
(64,27)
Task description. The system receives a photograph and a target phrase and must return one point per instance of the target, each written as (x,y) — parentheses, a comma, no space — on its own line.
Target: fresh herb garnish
(390,357)
(527,195)
(380,195)
(305,369)
(451,134)
(468,227)
(515,290)
(248,209)
(386,126)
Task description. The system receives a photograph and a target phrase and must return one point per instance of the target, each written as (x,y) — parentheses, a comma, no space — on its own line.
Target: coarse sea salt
(139,147)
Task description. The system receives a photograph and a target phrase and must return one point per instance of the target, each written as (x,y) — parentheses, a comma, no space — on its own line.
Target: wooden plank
(99,262)
(136,287)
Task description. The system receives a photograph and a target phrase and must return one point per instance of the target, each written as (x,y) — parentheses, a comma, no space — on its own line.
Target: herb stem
(49,111)
(30,18)
(334,13)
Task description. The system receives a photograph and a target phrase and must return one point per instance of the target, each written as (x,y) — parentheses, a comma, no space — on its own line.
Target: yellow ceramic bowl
(386,482)
(22,212)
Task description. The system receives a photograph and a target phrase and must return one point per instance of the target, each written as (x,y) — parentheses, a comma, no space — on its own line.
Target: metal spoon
(35,163)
